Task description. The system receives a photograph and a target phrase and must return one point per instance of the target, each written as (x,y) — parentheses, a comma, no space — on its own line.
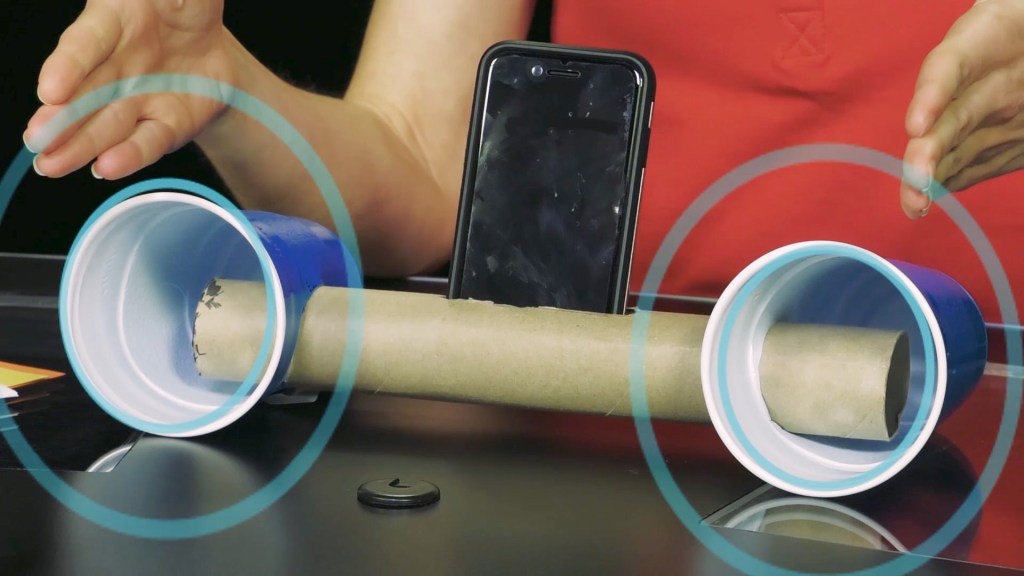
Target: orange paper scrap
(14,375)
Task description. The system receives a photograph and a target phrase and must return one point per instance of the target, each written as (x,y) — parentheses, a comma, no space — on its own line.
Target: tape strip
(306,256)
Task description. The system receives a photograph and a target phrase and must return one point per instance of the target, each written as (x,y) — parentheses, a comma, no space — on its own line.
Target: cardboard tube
(809,370)
(428,346)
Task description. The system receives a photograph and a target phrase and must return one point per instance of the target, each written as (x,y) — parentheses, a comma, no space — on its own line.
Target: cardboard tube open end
(844,382)
(897,384)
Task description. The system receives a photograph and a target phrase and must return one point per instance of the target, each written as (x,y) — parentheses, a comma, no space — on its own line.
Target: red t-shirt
(736,80)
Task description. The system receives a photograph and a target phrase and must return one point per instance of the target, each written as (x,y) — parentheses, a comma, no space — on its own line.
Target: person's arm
(966,118)
(395,143)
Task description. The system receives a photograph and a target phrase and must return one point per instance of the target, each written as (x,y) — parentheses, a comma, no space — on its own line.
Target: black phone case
(619,289)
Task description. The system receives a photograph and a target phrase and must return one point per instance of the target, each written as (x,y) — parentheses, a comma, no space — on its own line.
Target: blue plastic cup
(129,293)
(841,285)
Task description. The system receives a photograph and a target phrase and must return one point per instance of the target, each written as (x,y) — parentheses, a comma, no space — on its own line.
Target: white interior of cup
(132,287)
(844,288)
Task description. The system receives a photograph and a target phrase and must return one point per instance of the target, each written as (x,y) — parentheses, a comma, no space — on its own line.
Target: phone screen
(546,222)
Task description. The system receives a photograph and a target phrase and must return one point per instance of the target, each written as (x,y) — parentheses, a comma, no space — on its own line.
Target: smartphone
(553,175)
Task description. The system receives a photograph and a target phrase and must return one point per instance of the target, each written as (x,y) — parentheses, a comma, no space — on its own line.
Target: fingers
(983,38)
(46,132)
(107,128)
(123,137)
(915,204)
(150,140)
(86,44)
(979,147)
(919,162)
(990,151)
(987,102)
(44,135)
(1008,160)
(915,198)
(41,118)
(942,75)
(963,87)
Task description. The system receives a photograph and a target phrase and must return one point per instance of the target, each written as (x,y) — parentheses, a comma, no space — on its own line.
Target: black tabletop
(521,492)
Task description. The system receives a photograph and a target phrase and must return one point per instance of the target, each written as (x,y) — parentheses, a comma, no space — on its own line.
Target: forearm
(403,217)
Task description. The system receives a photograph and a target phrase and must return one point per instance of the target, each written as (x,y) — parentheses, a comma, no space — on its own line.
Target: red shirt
(736,80)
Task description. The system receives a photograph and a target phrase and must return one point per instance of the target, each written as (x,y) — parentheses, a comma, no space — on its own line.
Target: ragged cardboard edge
(211,291)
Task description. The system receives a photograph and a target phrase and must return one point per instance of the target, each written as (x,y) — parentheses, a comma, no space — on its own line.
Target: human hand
(116,39)
(966,118)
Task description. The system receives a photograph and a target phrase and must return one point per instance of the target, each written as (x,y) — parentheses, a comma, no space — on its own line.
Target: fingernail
(917,178)
(927,191)
(35,166)
(927,188)
(40,96)
(24,138)
(92,170)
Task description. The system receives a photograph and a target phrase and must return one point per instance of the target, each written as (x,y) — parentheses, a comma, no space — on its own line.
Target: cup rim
(710,384)
(73,333)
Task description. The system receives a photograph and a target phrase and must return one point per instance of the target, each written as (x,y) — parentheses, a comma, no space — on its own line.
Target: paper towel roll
(832,381)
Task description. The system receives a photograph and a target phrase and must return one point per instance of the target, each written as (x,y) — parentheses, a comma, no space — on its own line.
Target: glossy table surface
(521,491)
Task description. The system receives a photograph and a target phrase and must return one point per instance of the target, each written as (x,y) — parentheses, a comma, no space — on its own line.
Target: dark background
(303,41)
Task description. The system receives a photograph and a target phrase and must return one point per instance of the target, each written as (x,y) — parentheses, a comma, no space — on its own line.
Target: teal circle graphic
(251,379)
(190,527)
(930,370)
(803,154)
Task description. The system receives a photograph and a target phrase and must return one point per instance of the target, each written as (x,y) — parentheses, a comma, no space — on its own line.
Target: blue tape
(306,256)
